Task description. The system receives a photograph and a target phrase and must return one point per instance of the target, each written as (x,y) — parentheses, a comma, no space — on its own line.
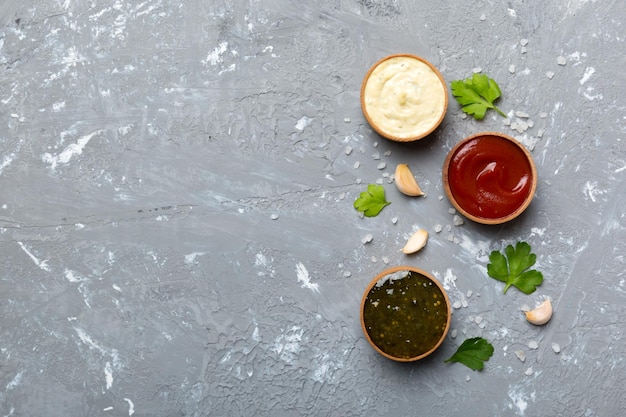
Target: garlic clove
(406,182)
(416,242)
(541,314)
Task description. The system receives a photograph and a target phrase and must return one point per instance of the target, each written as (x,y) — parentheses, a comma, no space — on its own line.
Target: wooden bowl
(405,313)
(489,177)
(404,97)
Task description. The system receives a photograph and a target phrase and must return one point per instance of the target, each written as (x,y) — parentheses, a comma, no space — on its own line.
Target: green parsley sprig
(513,268)
(476,95)
(473,353)
(372,201)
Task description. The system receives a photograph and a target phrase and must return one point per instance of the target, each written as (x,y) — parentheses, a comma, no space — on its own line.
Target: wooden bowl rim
(486,220)
(422,272)
(390,136)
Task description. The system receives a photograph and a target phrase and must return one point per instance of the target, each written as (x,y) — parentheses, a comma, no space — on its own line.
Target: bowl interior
(405,313)
(489,177)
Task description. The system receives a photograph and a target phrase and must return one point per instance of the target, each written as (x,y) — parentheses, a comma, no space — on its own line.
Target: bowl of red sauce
(490,177)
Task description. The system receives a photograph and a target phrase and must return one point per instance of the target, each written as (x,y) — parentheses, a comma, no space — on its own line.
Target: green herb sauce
(405,317)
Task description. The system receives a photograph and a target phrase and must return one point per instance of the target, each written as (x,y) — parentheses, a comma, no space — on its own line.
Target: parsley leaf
(513,269)
(477,95)
(372,201)
(472,353)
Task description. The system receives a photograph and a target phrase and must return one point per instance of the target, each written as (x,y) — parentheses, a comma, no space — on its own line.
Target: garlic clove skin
(541,314)
(406,182)
(416,242)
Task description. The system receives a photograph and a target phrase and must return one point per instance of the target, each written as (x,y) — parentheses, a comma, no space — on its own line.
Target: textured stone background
(176,221)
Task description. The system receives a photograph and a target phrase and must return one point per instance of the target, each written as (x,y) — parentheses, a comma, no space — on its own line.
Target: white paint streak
(191,258)
(215,57)
(287,345)
(589,71)
(131,406)
(69,152)
(72,276)
(108,375)
(17,380)
(518,400)
(6,161)
(43,265)
(591,190)
(303,276)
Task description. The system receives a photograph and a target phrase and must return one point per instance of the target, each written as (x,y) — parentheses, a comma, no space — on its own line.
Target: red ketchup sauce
(490,177)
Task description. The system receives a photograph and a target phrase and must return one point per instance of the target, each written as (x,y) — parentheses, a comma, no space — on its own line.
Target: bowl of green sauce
(405,313)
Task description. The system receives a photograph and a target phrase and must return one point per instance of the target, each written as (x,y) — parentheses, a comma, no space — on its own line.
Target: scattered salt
(452,210)
(458,221)
(367,238)
(522,114)
(521,355)
(528,372)
(457,304)
(453,333)
(376,156)
(438,228)
(394,220)
(451,237)
(561,60)
(523,50)
(357,164)
(373,259)
(523,42)
(347,274)
(274,216)
(533,344)
(543,114)
(556,348)
(512,69)
(550,74)
(346,119)
(387,153)
(476,70)
(348,150)
(381,166)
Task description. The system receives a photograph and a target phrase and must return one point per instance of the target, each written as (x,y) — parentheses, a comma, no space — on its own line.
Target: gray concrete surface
(176,220)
